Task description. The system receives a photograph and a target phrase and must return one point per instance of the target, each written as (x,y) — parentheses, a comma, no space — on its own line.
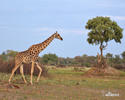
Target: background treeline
(117,61)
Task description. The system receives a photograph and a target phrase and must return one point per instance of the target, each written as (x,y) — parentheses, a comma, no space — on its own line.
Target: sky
(27,22)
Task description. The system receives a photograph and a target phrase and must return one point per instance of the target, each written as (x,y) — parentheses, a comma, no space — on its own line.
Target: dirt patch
(95,71)
(6,85)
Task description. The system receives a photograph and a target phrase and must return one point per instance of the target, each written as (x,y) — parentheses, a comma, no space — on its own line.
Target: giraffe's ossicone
(31,56)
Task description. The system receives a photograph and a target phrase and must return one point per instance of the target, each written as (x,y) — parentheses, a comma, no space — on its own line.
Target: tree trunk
(101,50)
(102,64)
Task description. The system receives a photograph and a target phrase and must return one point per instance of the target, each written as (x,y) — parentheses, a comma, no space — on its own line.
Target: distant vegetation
(117,61)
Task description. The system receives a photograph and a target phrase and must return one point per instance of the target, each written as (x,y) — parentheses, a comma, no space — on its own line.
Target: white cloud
(3,27)
(120,18)
(66,31)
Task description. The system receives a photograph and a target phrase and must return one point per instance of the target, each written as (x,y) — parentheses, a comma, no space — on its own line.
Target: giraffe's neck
(43,45)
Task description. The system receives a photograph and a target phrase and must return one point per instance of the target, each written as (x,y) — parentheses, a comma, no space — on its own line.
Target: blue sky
(27,22)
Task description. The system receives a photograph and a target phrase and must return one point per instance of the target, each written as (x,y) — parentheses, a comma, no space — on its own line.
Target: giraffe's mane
(41,42)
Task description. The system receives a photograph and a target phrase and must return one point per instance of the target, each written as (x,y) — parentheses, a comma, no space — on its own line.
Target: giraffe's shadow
(5,84)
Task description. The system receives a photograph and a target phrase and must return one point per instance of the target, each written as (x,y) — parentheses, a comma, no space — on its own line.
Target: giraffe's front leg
(32,70)
(13,70)
(21,71)
(40,71)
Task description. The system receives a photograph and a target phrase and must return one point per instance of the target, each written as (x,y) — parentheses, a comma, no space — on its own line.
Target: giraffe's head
(58,36)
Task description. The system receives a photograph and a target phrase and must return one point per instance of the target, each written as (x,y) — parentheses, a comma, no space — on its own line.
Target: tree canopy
(123,55)
(102,30)
(51,59)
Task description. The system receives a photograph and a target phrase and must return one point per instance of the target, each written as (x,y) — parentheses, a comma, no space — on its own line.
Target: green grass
(63,84)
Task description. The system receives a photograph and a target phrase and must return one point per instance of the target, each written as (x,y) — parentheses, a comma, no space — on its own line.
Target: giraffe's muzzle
(61,38)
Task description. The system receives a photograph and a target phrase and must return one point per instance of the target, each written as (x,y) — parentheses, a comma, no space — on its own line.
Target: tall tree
(109,56)
(103,30)
(50,59)
(123,55)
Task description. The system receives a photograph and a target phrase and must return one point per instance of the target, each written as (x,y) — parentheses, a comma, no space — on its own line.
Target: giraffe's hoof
(31,83)
(25,82)
(37,81)
(9,82)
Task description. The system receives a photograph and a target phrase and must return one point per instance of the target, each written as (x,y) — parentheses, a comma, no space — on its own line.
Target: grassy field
(63,84)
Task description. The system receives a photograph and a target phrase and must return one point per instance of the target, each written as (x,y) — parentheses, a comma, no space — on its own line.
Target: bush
(6,67)
(119,66)
(77,69)
(62,66)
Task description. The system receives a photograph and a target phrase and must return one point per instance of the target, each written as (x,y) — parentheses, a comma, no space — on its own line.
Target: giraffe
(31,56)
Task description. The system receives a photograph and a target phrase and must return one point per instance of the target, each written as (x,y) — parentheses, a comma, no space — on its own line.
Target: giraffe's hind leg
(40,71)
(21,71)
(32,70)
(13,70)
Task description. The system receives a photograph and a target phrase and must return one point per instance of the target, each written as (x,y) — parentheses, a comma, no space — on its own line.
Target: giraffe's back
(26,57)
(22,57)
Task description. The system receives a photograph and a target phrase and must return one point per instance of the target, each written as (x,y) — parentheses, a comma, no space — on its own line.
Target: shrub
(6,67)
(62,66)
(119,66)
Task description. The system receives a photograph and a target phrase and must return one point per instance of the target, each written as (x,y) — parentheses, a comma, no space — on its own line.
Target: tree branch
(104,46)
